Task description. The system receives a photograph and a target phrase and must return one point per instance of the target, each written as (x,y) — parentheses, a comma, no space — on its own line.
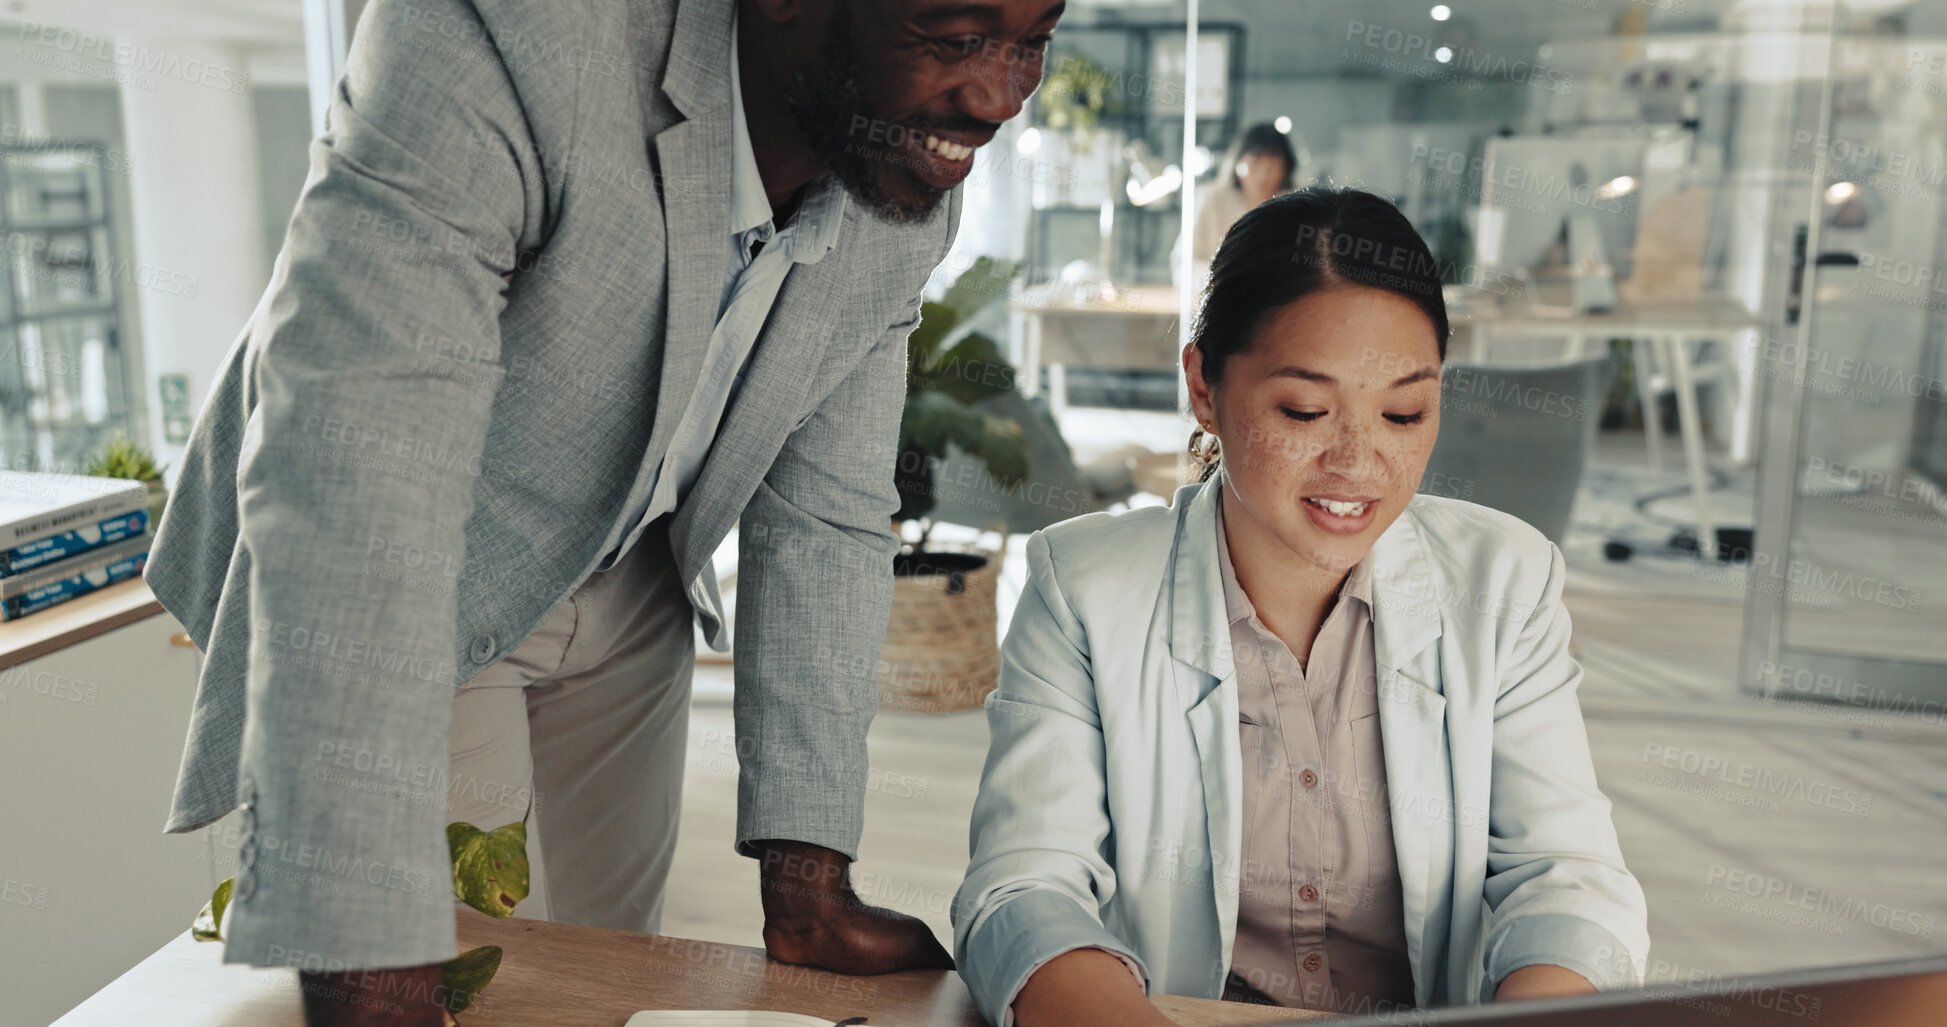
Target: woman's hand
(1086,988)
(1542,980)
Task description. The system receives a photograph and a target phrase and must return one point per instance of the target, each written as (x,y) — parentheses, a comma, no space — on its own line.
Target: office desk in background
(1663,335)
(562,975)
(1126,327)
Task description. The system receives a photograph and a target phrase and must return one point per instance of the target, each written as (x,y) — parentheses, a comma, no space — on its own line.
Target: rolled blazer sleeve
(1039,873)
(814,594)
(1556,890)
(420,193)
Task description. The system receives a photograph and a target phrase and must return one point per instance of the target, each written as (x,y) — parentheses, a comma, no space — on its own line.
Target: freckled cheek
(1274,447)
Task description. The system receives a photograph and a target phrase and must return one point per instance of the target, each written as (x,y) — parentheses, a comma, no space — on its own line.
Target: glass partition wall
(1852,534)
(1691,249)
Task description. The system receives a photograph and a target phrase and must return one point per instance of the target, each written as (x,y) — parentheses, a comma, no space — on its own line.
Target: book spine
(64,519)
(17,585)
(70,543)
(69,588)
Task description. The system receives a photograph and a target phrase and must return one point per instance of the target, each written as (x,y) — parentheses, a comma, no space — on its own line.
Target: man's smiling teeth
(949,150)
(1333,506)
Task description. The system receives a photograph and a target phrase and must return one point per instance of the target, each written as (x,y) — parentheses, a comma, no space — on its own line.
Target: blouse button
(1308,893)
(1312,962)
(1308,779)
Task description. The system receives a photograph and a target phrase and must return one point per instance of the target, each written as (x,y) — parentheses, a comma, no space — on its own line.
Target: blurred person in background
(1260,164)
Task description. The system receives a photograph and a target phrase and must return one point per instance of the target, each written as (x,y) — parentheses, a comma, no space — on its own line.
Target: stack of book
(66,535)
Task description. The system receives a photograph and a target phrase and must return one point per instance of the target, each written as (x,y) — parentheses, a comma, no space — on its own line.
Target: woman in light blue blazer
(1107,834)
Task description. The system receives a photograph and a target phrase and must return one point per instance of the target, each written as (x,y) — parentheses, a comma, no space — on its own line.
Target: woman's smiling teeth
(949,150)
(1336,508)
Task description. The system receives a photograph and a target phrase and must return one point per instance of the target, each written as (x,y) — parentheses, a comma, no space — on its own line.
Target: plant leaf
(935,321)
(465,974)
(979,285)
(914,478)
(932,419)
(973,369)
(1002,447)
(208,925)
(489,867)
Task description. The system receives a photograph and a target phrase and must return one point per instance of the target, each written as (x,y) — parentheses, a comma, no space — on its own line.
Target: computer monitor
(1905,993)
(1532,185)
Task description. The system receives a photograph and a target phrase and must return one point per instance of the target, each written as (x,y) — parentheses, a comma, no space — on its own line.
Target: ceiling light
(1621,185)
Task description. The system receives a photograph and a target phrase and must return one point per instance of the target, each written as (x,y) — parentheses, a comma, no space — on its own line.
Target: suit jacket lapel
(1206,683)
(695,165)
(785,359)
(693,158)
(1412,728)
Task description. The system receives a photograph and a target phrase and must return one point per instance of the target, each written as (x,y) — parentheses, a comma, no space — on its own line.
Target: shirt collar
(1237,604)
(820,212)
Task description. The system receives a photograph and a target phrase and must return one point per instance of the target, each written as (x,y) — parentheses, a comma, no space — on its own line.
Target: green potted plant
(489,874)
(1075,97)
(941,650)
(1079,104)
(124,459)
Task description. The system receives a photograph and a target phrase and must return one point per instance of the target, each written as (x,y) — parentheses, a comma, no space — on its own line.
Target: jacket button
(483,648)
(1312,962)
(1308,779)
(1308,893)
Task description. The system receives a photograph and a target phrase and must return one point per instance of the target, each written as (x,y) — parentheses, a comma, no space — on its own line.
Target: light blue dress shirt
(750,288)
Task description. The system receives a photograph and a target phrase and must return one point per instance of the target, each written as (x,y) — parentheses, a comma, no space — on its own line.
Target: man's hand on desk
(401,997)
(813,918)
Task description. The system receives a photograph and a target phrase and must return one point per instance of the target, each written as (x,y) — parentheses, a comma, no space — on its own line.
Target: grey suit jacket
(492,302)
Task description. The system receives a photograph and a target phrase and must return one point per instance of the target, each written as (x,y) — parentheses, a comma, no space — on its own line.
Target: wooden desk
(561,975)
(77,620)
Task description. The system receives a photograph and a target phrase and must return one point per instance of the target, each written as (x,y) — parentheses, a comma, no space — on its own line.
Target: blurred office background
(1694,251)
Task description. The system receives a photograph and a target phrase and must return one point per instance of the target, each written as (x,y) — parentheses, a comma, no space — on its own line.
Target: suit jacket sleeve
(1557,891)
(377,371)
(814,593)
(1039,873)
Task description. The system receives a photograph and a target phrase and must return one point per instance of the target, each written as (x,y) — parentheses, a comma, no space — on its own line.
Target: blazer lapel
(693,158)
(1206,682)
(784,360)
(1412,730)
(695,165)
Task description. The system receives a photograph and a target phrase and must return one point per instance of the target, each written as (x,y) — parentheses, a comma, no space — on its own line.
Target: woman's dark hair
(1260,140)
(1294,245)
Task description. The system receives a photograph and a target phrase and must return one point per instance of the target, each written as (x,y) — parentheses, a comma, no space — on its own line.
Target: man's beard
(824,105)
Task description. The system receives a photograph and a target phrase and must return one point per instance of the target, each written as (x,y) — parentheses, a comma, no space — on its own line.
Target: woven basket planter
(942,649)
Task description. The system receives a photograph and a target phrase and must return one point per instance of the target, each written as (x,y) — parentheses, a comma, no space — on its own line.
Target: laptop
(1905,993)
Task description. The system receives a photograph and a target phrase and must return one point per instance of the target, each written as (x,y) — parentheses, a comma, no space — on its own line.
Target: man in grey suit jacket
(494,357)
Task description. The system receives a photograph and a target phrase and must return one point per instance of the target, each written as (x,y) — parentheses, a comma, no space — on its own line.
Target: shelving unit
(1142,236)
(64,382)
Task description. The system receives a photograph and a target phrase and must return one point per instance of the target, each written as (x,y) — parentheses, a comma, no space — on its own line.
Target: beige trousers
(581,731)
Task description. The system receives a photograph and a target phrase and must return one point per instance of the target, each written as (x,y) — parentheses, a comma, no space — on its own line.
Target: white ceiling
(1286,37)
(1310,37)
